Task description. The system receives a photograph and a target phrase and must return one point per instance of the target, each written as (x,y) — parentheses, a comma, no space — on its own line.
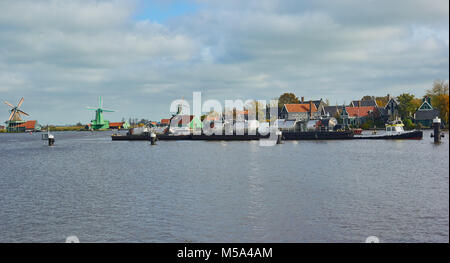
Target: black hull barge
(288,136)
(132,137)
(285,136)
(192,137)
(318,135)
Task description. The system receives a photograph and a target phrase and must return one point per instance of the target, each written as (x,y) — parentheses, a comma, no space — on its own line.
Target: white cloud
(62,54)
(65,15)
(9,80)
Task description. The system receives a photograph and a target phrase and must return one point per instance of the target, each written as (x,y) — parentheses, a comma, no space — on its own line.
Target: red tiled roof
(300,107)
(29,125)
(359,111)
(165,121)
(116,124)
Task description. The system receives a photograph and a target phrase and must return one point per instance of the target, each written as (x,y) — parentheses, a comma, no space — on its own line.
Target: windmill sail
(15,112)
(11,116)
(20,103)
(9,104)
(22,112)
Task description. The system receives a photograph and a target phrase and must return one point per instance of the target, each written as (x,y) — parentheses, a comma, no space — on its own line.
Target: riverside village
(297,118)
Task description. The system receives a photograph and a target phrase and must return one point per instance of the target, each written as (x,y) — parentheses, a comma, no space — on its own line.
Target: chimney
(303,99)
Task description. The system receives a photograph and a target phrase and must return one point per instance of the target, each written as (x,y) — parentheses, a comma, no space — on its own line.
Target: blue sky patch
(160,11)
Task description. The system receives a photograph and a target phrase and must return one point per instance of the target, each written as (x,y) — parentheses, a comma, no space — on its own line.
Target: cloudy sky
(142,55)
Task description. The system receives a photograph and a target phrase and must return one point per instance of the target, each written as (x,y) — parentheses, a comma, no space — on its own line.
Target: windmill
(99,123)
(15,117)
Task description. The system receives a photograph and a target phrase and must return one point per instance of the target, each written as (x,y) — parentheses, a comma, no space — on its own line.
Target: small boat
(394,131)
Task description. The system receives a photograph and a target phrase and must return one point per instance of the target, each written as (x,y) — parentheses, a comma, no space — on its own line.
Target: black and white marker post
(152,138)
(437,130)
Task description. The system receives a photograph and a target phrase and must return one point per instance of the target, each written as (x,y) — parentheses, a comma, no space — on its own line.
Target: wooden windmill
(15,117)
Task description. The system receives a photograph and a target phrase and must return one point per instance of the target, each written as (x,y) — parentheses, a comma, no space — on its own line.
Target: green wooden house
(425,113)
(195,123)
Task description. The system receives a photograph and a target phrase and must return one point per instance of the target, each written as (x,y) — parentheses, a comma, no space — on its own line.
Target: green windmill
(99,123)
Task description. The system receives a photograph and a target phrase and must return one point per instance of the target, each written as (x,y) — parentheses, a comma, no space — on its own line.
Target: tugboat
(394,131)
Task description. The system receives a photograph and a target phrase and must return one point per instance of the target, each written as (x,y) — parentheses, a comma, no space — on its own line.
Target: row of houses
(357,112)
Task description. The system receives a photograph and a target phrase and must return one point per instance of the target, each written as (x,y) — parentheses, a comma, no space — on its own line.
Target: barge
(246,137)
(314,130)
(318,135)
(191,137)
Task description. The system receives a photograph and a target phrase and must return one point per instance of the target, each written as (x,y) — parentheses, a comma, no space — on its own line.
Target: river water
(194,191)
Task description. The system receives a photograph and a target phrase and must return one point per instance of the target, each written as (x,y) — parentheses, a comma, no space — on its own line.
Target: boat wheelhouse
(395,126)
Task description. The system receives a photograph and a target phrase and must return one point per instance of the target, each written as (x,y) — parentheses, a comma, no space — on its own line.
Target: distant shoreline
(59,130)
(70,129)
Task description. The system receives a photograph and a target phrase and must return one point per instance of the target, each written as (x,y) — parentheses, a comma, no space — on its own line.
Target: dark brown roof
(363,103)
(333,110)
(316,102)
(422,115)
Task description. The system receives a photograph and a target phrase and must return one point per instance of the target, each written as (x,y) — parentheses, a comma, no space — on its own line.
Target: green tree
(367,97)
(439,95)
(369,124)
(382,101)
(287,98)
(440,87)
(409,125)
(407,105)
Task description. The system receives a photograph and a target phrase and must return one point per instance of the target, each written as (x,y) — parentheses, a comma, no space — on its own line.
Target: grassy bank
(65,128)
(69,128)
